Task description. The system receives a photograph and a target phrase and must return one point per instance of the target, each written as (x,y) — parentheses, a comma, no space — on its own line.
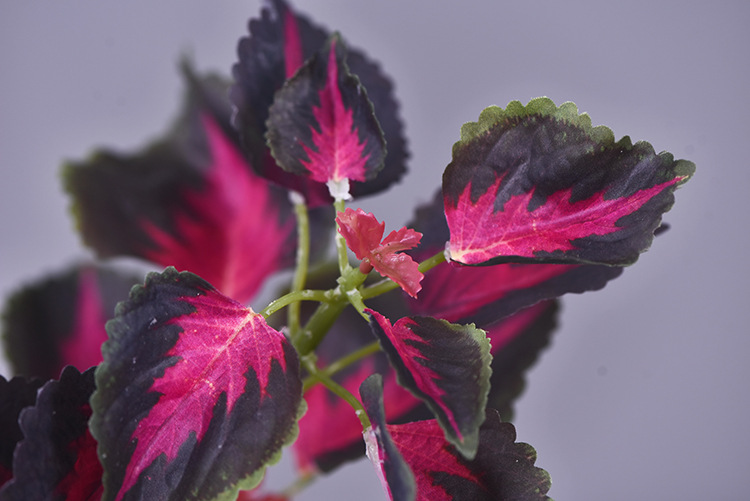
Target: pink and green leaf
(502,470)
(445,365)
(56,429)
(234,232)
(363,234)
(330,434)
(414,461)
(322,125)
(280,41)
(259,496)
(539,183)
(60,320)
(15,395)
(393,471)
(190,200)
(486,294)
(196,394)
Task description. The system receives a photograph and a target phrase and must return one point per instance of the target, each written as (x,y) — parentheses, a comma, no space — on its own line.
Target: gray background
(644,393)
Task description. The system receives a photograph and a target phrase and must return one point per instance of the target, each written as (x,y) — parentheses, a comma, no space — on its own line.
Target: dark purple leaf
(538,183)
(235,232)
(322,125)
(503,469)
(15,395)
(392,470)
(417,453)
(190,201)
(57,458)
(196,394)
(445,365)
(517,342)
(60,321)
(279,42)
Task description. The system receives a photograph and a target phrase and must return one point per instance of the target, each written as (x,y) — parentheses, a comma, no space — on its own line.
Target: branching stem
(343,363)
(344,267)
(333,386)
(295,297)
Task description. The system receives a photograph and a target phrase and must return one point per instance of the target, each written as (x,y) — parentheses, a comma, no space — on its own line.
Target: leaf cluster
(408,348)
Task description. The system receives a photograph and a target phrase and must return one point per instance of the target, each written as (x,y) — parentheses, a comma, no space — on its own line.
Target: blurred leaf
(57,458)
(60,320)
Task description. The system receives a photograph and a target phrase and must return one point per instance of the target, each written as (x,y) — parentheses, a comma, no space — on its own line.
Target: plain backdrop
(644,393)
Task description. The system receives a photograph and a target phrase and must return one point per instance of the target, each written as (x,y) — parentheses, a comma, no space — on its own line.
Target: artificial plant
(410,347)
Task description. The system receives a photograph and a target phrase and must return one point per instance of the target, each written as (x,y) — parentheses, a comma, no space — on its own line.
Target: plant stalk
(303,259)
(337,389)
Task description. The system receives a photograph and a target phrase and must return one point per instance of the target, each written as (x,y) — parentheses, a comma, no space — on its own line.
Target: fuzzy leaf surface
(322,124)
(280,41)
(189,200)
(59,320)
(363,234)
(56,429)
(539,183)
(445,365)
(196,394)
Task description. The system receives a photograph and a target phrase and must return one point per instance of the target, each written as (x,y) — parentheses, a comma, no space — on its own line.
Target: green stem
(320,323)
(388,285)
(344,267)
(343,363)
(337,389)
(295,297)
(303,258)
(327,312)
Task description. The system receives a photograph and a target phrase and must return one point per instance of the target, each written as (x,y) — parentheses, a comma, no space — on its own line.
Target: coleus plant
(409,347)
